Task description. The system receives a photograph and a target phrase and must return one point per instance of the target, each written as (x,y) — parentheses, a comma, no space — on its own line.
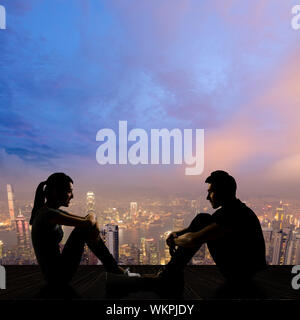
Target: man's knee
(201,221)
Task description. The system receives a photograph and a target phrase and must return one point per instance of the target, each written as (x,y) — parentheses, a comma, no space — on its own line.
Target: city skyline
(135,232)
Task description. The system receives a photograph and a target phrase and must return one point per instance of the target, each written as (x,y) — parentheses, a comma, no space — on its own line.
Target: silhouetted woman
(58,267)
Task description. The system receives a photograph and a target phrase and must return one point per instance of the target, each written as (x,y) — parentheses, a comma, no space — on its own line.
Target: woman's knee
(93,232)
(86,232)
(88,227)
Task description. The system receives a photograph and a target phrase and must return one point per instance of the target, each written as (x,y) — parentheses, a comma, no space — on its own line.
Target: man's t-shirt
(241,251)
(46,237)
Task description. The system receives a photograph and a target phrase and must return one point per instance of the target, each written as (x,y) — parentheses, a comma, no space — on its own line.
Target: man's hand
(171,243)
(185,241)
(170,239)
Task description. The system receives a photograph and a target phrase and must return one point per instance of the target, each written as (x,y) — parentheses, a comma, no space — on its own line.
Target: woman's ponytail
(58,181)
(39,200)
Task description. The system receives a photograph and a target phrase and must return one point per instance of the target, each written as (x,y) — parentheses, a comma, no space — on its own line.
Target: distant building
(297,250)
(143,254)
(91,207)
(268,236)
(152,252)
(1,251)
(199,256)
(281,244)
(164,252)
(23,238)
(90,202)
(129,254)
(149,253)
(111,235)
(88,257)
(281,218)
(133,209)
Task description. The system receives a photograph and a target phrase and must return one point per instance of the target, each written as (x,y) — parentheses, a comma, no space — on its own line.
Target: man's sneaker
(166,283)
(153,275)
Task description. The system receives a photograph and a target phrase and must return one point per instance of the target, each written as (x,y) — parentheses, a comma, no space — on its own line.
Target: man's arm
(196,239)
(173,235)
(181,232)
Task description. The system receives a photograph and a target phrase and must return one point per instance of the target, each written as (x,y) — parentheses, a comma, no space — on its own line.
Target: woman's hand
(91,220)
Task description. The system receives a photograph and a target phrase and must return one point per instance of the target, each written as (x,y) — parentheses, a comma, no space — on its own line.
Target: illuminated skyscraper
(297,250)
(277,247)
(88,257)
(90,202)
(1,251)
(11,207)
(111,234)
(268,236)
(287,236)
(281,244)
(133,209)
(291,249)
(129,254)
(279,221)
(115,214)
(151,252)
(91,206)
(143,254)
(23,237)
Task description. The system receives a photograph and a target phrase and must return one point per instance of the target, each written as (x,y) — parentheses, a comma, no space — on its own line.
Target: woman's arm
(68,219)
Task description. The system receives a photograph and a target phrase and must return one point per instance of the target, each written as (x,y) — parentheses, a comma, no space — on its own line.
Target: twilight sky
(71,68)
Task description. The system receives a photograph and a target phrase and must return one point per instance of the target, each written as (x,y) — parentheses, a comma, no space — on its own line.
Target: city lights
(135,230)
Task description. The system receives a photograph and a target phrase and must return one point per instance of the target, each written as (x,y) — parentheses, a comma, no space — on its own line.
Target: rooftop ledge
(25,283)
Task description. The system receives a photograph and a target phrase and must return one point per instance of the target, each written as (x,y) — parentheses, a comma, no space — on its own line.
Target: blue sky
(70,68)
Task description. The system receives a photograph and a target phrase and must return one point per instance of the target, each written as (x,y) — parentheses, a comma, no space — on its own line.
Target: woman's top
(46,237)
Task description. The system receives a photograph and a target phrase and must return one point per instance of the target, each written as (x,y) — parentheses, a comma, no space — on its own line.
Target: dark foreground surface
(204,288)
(201,283)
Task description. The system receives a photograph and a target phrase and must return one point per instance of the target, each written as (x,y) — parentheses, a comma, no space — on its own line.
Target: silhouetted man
(233,235)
